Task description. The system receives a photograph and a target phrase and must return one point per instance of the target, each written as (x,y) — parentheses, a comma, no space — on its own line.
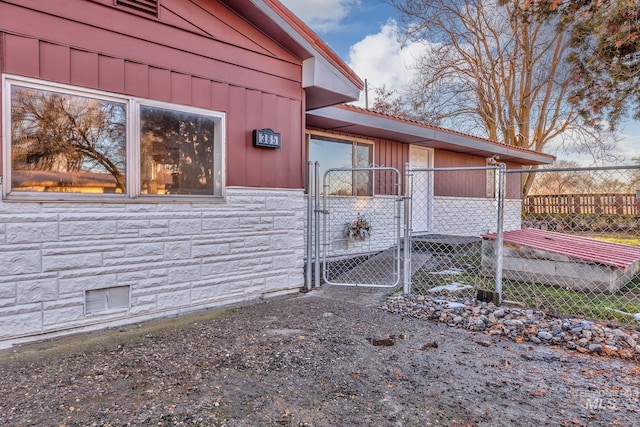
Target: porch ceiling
(366,123)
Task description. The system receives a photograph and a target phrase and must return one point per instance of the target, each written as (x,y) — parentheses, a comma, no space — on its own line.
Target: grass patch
(595,305)
(627,240)
(576,303)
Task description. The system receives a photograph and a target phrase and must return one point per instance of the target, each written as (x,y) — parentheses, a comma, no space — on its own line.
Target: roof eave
(327,79)
(386,127)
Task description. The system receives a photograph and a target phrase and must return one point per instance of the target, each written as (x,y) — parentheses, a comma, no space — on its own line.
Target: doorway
(421,160)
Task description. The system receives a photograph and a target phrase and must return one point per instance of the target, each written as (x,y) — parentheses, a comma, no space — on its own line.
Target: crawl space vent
(107,299)
(149,7)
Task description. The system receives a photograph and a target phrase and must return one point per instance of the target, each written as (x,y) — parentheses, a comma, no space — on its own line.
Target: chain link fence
(571,247)
(577,248)
(361,227)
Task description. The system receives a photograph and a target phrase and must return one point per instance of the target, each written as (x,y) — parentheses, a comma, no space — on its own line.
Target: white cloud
(628,148)
(321,15)
(383,60)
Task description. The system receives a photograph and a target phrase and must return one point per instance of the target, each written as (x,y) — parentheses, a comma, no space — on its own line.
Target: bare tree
(562,182)
(498,73)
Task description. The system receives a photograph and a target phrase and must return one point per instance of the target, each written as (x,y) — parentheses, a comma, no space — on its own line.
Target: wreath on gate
(358,229)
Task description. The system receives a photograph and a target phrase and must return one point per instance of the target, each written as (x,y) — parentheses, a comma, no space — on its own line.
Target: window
(177,152)
(68,141)
(334,153)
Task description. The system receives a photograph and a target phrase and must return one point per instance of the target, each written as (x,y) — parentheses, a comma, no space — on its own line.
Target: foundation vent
(107,299)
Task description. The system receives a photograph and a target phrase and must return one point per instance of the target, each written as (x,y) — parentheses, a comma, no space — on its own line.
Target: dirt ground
(326,358)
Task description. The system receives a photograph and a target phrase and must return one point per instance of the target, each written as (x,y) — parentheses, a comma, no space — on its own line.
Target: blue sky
(364,34)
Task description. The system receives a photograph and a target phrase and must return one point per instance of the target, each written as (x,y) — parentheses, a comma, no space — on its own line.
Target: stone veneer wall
(177,257)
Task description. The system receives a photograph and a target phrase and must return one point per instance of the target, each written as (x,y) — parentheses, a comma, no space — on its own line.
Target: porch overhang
(358,121)
(326,78)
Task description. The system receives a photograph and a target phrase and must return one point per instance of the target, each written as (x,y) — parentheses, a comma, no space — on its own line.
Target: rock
(545,335)
(520,326)
(455,306)
(585,324)
(595,348)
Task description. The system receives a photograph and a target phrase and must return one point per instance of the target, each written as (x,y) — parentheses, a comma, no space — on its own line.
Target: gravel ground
(327,358)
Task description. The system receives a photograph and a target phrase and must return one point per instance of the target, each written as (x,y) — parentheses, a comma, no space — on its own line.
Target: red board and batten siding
(199,53)
(468,183)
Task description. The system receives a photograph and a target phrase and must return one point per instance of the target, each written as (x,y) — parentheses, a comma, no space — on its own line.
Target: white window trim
(132,169)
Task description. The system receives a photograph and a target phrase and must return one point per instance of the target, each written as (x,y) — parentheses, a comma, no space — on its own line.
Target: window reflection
(334,153)
(177,150)
(66,143)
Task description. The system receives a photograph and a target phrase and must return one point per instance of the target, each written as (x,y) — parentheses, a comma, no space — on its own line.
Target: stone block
(88,228)
(177,250)
(16,262)
(202,250)
(184,274)
(185,227)
(143,249)
(20,324)
(77,285)
(36,291)
(71,261)
(174,299)
(32,232)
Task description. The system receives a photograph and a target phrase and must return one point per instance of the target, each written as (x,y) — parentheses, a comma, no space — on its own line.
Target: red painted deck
(583,248)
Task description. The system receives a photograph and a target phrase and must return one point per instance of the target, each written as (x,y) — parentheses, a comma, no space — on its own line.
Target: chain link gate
(360,231)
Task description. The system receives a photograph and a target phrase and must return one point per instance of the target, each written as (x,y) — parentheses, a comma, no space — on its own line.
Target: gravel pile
(521,325)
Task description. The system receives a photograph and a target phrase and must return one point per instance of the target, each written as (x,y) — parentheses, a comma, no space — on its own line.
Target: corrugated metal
(582,248)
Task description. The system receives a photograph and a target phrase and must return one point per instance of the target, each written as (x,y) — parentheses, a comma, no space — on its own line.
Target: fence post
(406,277)
(309,263)
(499,250)
(317,223)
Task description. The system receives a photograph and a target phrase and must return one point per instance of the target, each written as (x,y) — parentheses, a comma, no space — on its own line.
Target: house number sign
(266,138)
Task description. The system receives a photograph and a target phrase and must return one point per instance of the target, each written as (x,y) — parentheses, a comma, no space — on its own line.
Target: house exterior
(394,142)
(154,156)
